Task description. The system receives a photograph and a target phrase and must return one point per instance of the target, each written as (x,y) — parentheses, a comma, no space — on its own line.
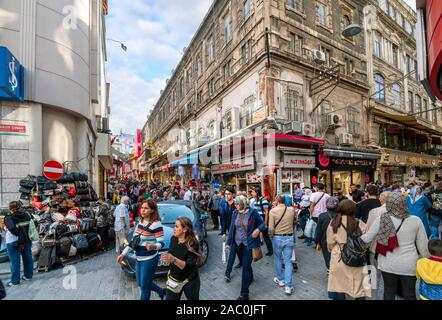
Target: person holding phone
(183,256)
(147,239)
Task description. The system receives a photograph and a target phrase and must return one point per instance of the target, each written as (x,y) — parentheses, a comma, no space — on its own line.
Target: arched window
(379,87)
(347,21)
(396,91)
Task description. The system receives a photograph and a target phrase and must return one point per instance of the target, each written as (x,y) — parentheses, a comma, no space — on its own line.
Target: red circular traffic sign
(53,170)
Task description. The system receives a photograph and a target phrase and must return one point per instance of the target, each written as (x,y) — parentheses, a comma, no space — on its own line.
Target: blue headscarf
(414,197)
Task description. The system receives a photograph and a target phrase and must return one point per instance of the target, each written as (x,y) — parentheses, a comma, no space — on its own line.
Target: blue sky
(155,32)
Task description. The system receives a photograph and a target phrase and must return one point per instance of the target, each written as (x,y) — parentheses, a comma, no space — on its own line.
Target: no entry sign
(53,170)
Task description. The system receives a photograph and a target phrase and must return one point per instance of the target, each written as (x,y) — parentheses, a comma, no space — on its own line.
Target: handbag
(175,285)
(310,228)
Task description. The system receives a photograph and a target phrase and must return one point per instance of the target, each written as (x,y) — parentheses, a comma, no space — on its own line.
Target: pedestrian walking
(227,206)
(183,256)
(344,279)
(436,212)
(318,205)
(304,206)
(418,205)
(18,243)
(103,222)
(262,205)
(214,209)
(429,272)
(400,238)
(321,230)
(246,224)
(281,223)
(122,223)
(368,204)
(148,238)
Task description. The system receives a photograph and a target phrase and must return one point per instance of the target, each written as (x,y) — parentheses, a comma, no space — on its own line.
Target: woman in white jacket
(400,239)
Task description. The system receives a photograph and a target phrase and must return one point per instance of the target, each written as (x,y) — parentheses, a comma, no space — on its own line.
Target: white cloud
(155,32)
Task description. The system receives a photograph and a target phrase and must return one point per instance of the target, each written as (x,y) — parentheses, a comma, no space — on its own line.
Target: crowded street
(220,150)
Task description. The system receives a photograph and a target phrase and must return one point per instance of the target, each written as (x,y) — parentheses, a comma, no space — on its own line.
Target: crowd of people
(378,232)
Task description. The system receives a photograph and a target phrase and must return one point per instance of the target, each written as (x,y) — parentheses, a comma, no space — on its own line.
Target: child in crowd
(429,272)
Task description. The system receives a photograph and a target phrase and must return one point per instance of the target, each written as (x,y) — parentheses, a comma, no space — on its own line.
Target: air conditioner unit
(318,56)
(346,139)
(308,129)
(292,127)
(335,120)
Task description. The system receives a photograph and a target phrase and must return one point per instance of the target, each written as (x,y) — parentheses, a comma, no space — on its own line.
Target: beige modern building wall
(61,45)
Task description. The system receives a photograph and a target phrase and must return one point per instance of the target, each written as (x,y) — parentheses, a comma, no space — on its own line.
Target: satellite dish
(351,30)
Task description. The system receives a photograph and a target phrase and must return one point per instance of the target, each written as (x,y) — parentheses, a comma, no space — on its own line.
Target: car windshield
(169,213)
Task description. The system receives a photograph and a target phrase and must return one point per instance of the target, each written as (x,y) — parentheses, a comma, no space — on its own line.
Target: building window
(407,64)
(296,44)
(379,88)
(211,128)
(387,7)
(181,89)
(228,121)
(426,115)
(396,91)
(410,101)
(246,118)
(174,98)
(324,110)
(246,51)
(199,65)
(418,105)
(393,12)
(199,98)
(434,116)
(294,108)
(395,55)
(209,51)
(227,29)
(399,18)
(415,70)
(295,4)
(189,79)
(353,122)
(211,87)
(327,53)
(321,13)
(349,66)
(248,4)
(346,21)
(377,44)
(227,70)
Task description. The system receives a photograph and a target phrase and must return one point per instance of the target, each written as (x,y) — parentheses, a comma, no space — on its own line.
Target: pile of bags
(67,229)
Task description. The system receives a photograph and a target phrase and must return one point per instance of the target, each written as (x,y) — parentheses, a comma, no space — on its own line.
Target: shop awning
(352,153)
(409,121)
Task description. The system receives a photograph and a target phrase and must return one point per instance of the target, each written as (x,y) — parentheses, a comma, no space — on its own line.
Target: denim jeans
(283,248)
(247,272)
(145,272)
(434,227)
(233,252)
(14,251)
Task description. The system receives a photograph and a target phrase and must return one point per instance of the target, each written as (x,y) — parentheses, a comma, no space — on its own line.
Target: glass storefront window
(324,177)
(341,182)
(358,178)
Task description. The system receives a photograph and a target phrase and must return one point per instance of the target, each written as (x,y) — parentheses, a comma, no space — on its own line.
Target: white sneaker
(278,282)
(288,291)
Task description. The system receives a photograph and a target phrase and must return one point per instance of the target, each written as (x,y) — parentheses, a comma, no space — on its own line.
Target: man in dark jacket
(321,230)
(365,206)
(18,242)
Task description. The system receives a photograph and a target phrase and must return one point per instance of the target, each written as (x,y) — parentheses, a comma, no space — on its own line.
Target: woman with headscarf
(399,238)
(245,227)
(344,279)
(304,205)
(418,205)
(321,230)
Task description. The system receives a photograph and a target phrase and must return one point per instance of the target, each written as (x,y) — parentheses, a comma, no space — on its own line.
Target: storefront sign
(11,76)
(246,164)
(259,115)
(253,178)
(298,161)
(361,164)
(12,130)
(398,158)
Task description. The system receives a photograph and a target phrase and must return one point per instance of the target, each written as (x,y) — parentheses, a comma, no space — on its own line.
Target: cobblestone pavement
(100,278)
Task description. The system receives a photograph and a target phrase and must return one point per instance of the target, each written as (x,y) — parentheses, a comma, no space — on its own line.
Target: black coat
(321,229)
(12,221)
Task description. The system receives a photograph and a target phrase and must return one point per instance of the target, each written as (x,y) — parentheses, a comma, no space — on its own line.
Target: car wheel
(205,252)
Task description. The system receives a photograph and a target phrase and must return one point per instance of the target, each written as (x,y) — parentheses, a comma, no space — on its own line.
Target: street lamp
(123,46)
(351,30)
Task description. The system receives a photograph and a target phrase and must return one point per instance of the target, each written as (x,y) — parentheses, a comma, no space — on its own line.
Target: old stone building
(403,119)
(265,65)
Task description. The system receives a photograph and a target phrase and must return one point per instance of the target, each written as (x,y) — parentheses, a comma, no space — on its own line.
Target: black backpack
(354,252)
